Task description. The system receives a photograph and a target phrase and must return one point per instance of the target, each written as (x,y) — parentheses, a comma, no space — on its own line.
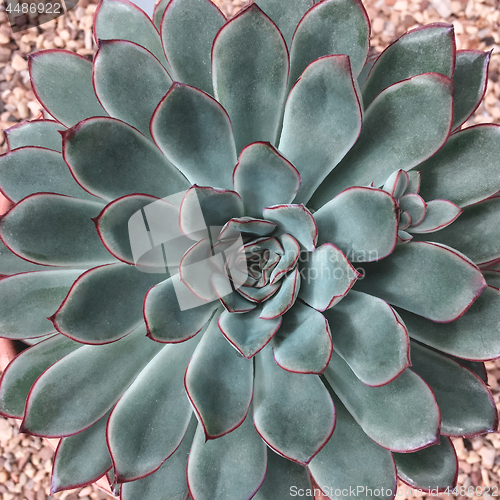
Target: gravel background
(26,462)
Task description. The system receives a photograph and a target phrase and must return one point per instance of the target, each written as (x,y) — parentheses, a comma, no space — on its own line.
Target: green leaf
(284,300)
(81,459)
(427,279)
(350,459)
(467,406)
(483,319)
(107,141)
(229,468)
(41,133)
(293,412)
(322,121)
(438,215)
(370,337)
(248,332)
(248,225)
(29,298)
(401,416)
(219,383)
(361,221)
(492,278)
(121,86)
(12,264)
(194,132)
(427,49)
(286,15)
(330,276)
(151,418)
(303,343)
(431,468)
(414,205)
(330,27)
(288,259)
(55,230)
(32,170)
(188,29)
(407,123)
(169,481)
(465,170)
(283,478)
(62,82)
(159,10)
(80,389)
(470,79)
(263,177)
(370,61)
(123,20)
(167,321)
(105,303)
(251,85)
(22,372)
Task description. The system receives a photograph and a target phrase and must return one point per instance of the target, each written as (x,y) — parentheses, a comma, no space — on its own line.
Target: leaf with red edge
(188,28)
(39,133)
(288,260)
(62,82)
(467,406)
(492,278)
(284,300)
(293,412)
(439,214)
(259,295)
(327,277)
(232,301)
(303,343)
(251,85)
(104,304)
(219,383)
(264,177)
(247,225)
(415,206)
(397,183)
(322,120)
(425,278)
(401,416)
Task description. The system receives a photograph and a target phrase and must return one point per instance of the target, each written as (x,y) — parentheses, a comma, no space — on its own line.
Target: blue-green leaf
(41,133)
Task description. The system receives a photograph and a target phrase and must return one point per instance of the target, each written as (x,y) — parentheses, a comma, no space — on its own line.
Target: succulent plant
(220,250)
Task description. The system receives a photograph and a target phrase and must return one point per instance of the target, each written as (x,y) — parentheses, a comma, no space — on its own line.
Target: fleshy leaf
(414,181)
(296,221)
(415,206)
(373,212)
(470,78)
(330,27)
(288,260)
(56,230)
(402,416)
(39,133)
(29,298)
(80,389)
(21,374)
(293,412)
(350,459)
(123,20)
(233,301)
(263,177)
(251,85)
(229,468)
(12,264)
(431,468)
(150,420)
(256,227)
(81,459)
(107,141)
(467,406)
(397,183)
(329,277)
(219,383)
(62,82)
(303,343)
(259,295)
(248,333)
(120,84)
(439,214)
(483,318)
(283,477)
(32,170)
(425,278)
(284,300)
(173,314)
(370,337)
(427,49)
(169,481)
(492,278)
(324,97)
(194,132)
(188,29)
(104,304)
(414,114)
(465,170)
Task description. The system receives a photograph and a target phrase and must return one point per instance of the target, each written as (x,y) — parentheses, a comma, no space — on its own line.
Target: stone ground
(26,462)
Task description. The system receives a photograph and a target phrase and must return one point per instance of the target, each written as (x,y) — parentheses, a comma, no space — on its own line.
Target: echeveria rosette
(311,162)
